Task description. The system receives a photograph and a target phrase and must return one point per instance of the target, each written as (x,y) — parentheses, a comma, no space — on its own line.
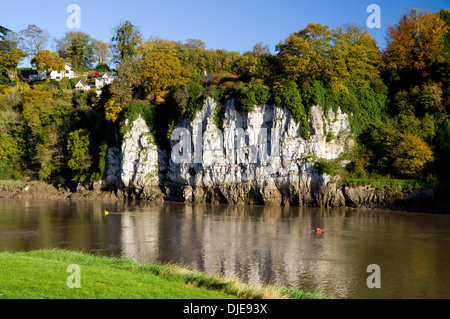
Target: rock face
(136,168)
(368,196)
(257,157)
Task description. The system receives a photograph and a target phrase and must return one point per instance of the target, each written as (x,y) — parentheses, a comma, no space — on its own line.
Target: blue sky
(222,24)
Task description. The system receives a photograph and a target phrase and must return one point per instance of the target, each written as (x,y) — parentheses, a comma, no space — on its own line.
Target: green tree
(126,40)
(288,94)
(78,48)
(442,152)
(79,159)
(192,55)
(129,83)
(445,16)
(248,95)
(9,119)
(100,53)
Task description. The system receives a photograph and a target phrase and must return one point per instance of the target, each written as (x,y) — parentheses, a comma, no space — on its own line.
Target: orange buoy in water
(319,230)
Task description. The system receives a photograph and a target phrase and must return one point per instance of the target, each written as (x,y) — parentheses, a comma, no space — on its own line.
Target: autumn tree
(393,151)
(355,56)
(125,88)
(126,40)
(161,70)
(416,42)
(257,63)
(338,55)
(47,61)
(307,53)
(100,53)
(10,53)
(410,155)
(129,81)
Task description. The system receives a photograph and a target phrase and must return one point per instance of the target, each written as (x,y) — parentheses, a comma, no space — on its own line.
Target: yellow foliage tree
(306,53)
(47,61)
(10,60)
(162,69)
(340,54)
(112,110)
(410,155)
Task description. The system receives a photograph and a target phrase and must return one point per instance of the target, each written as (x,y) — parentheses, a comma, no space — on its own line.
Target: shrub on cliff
(132,113)
(247,95)
(289,95)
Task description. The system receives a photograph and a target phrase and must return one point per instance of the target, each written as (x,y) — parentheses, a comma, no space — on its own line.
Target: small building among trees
(68,72)
(82,85)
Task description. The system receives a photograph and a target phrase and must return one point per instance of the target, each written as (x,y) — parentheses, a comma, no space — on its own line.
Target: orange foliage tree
(416,42)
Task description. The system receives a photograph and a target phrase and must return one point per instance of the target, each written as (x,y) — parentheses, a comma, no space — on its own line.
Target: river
(260,244)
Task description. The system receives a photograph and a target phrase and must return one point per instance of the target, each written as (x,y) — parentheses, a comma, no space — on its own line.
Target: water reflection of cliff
(261,244)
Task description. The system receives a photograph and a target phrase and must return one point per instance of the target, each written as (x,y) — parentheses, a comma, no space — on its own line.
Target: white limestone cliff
(225,169)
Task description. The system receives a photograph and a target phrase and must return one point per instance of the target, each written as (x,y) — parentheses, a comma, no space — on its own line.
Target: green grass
(42,274)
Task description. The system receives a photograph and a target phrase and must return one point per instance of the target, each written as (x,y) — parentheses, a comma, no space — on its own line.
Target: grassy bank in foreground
(43,274)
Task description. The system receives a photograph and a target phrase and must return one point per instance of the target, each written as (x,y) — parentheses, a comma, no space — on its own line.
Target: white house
(81,85)
(105,79)
(68,72)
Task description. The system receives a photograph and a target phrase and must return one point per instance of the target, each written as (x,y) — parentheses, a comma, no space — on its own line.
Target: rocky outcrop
(135,170)
(371,197)
(258,157)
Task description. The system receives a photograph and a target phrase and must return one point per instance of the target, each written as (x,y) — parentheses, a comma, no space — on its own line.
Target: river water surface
(258,243)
